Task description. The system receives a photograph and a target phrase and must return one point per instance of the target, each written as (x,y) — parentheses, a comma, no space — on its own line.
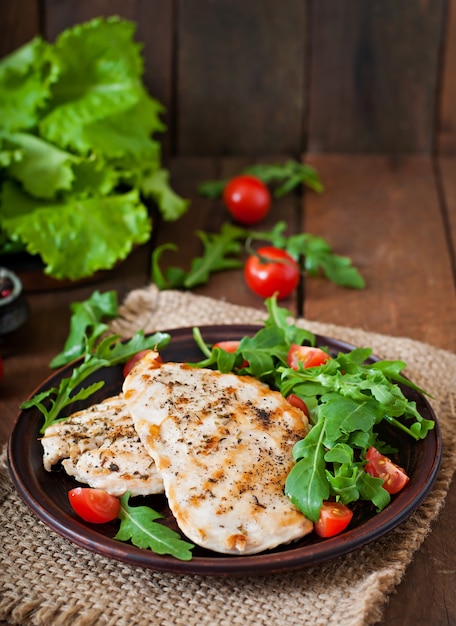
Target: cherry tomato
(230,346)
(134,359)
(271,271)
(247,199)
(297,402)
(334,518)
(378,465)
(305,356)
(94,505)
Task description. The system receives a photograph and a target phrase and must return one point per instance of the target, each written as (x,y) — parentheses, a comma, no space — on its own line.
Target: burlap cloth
(47,580)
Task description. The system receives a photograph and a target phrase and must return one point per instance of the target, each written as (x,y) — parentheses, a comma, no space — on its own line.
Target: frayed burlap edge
(46,580)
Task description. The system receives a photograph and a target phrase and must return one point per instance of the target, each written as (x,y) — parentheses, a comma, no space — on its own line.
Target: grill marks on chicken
(222,444)
(99,446)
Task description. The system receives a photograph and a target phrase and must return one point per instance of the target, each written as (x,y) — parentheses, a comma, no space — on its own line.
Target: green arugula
(106,353)
(138,525)
(218,251)
(87,325)
(284,177)
(78,155)
(347,397)
(221,251)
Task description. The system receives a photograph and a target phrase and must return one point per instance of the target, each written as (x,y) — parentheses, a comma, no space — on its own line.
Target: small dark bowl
(13,304)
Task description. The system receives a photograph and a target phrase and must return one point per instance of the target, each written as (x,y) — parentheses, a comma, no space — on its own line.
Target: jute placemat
(46,580)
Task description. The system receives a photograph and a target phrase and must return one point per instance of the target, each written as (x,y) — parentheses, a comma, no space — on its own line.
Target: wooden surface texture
(365,92)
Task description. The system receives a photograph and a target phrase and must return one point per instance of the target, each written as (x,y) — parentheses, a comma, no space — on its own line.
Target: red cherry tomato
(271,271)
(230,346)
(247,199)
(94,505)
(334,518)
(134,359)
(305,356)
(297,402)
(378,465)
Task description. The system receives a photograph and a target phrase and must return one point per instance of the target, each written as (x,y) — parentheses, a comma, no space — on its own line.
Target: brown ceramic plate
(45,493)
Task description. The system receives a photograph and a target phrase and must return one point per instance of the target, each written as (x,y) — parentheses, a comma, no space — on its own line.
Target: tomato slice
(394,477)
(334,518)
(230,346)
(299,403)
(305,356)
(94,505)
(129,365)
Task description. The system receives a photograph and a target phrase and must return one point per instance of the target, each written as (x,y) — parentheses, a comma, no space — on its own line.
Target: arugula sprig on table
(347,397)
(222,251)
(284,177)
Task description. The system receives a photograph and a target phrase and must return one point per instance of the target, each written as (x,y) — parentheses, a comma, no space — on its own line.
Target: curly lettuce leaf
(44,169)
(76,237)
(95,79)
(156,185)
(25,82)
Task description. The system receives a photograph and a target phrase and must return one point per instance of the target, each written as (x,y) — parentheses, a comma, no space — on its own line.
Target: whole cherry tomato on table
(247,199)
(272,270)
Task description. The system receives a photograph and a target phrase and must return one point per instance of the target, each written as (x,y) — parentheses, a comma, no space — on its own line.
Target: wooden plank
(374,74)
(154,31)
(240,77)
(209,215)
(385,215)
(447,167)
(447,113)
(19,23)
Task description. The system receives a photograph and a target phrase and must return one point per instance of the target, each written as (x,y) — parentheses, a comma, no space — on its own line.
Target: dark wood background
(365,90)
(317,76)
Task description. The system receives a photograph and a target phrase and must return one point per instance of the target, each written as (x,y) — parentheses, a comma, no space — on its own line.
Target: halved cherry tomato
(230,346)
(305,356)
(271,271)
(94,505)
(334,518)
(394,477)
(247,199)
(299,403)
(134,359)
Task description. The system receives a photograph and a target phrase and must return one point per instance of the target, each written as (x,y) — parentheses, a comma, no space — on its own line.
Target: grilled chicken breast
(222,445)
(100,447)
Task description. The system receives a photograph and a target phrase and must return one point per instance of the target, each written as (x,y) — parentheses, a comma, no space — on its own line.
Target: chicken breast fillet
(222,444)
(99,446)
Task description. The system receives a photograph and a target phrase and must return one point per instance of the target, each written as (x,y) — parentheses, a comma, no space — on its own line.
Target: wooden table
(396,219)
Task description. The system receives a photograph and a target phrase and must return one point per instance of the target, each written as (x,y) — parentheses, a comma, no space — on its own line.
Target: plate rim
(90,538)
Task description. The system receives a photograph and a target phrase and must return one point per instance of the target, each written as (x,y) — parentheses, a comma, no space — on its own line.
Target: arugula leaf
(138,525)
(86,325)
(221,249)
(108,352)
(285,176)
(218,251)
